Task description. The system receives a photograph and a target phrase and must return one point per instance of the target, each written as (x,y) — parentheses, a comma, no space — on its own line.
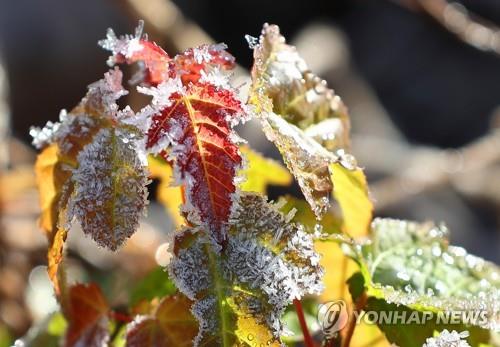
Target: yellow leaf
(169,196)
(54,188)
(248,330)
(261,172)
(50,179)
(351,192)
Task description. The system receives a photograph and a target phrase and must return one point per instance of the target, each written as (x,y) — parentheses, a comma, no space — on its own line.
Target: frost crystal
(44,136)
(102,95)
(448,339)
(125,45)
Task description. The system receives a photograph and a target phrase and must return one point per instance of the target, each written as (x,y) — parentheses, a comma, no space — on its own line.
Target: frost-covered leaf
(196,124)
(110,189)
(410,267)
(261,172)
(266,264)
(191,66)
(169,324)
(87,315)
(337,267)
(95,170)
(307,122)
(134,48)
(283,84)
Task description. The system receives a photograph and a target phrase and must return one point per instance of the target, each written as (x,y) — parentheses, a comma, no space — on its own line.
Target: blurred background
(421,79)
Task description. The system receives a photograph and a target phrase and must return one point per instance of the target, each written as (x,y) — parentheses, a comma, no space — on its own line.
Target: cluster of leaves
(238,261)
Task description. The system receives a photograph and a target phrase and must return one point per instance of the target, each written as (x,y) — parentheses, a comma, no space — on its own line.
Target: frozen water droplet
(252,41)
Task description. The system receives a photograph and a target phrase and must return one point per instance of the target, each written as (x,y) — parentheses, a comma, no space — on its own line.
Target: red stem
(308,341)
(121,317)
(360,304)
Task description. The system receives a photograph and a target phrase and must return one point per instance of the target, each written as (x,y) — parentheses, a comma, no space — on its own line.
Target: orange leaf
(50,178)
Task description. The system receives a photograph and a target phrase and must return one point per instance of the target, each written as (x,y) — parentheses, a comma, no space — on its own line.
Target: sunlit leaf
(261,172)
(87,315)
(196,121)
(51,176)
(168,195)
(170,324)
(54,185)
(267,262)
(351,192)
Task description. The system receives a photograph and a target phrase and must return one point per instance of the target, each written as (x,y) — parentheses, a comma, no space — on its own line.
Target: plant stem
(360,304)
(308,341)
(120,317)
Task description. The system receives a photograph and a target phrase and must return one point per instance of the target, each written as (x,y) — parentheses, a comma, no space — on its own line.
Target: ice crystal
(102,95)
(125,45)
(448,339)
(44,136)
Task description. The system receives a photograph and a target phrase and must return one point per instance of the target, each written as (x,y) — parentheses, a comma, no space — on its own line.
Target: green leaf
(5,338)
(156,284)
(410,267)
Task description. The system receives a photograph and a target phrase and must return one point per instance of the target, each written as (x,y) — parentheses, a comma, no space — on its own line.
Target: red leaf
(198,125)
(155,59)
(194,60)
(87,315)
(158,65)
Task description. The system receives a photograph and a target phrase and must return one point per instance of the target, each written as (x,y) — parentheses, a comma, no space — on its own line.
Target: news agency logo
(333,317)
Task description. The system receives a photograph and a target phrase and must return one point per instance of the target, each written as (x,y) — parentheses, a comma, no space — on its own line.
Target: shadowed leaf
(170,324)
(87,317)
